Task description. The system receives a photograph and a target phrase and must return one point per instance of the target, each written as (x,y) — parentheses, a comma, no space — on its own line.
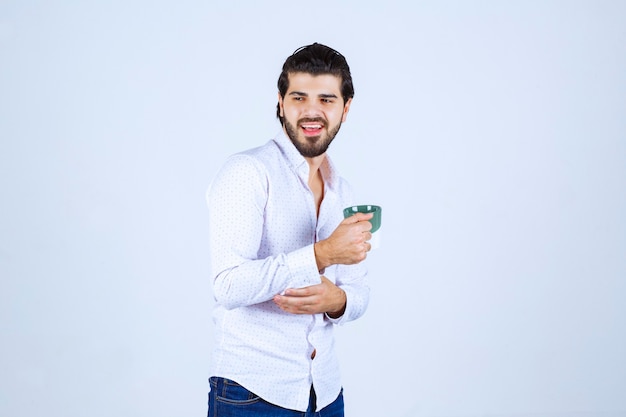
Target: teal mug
(367,208)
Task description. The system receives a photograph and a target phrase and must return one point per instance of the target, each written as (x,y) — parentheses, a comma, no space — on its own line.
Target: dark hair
(316,59)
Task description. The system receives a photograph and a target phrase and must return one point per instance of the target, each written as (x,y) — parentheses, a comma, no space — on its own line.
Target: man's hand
(348,244)
(320,298)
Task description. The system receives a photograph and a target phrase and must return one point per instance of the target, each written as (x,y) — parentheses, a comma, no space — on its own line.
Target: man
(286,266)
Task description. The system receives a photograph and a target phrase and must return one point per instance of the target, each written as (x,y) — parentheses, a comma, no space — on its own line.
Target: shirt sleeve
(236,200)
(351,278)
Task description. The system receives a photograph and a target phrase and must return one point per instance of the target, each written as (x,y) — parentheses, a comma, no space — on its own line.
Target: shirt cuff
(332,320)
(303,267)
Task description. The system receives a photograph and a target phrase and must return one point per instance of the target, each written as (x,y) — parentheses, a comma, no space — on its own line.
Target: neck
(316,182)
(314,165)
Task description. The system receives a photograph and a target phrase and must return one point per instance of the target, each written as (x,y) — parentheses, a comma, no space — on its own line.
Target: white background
(492,133)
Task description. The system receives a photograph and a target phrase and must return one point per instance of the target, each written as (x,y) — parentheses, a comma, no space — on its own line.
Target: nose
(312,109)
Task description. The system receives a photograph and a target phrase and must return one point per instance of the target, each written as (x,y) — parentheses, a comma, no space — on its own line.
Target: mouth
(312,128)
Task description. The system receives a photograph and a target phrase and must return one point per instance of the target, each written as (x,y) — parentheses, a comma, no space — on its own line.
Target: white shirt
(262,227)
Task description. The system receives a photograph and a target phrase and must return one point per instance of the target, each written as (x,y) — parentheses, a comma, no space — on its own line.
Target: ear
(346,109)
(280,105)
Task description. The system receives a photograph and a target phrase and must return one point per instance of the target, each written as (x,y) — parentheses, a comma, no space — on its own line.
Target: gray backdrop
(492,133)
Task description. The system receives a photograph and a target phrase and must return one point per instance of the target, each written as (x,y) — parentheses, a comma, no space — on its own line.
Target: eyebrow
(302,94)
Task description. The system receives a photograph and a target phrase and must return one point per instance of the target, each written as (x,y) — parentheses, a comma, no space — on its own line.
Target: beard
(311,146)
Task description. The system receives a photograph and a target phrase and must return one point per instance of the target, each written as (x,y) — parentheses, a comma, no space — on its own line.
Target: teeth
(312,127)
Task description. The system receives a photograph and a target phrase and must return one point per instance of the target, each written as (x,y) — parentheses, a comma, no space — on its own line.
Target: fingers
(298,300)
(358,222)
(365,248)
(306,300)
(295,304)
(346,245)
(359,217)
(299,292)
(318,298)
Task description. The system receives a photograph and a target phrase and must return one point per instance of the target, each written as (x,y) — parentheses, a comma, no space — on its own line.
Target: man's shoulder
(260,152)
(259,159)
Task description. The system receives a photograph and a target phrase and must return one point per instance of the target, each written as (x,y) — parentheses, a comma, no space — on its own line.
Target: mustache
(319,120)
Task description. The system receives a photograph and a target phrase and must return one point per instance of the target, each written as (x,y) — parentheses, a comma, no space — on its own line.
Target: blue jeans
(229,399)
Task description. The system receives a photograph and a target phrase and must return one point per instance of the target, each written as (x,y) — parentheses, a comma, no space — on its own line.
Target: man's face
(312,111)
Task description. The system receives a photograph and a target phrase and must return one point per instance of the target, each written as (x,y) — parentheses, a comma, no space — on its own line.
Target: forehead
(305,82)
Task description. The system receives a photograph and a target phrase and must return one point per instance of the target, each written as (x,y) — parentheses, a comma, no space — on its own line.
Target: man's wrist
(320,257)
(338,313)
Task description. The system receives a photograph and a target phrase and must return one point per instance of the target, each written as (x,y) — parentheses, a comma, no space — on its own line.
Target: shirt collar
(299,164)
(290,152)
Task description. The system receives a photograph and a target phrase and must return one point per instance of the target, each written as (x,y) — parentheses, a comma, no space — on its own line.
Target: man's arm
(347,245)
(236,201)
(325,297)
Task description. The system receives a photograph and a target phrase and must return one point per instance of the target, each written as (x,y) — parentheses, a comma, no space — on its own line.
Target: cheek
(288,112)
(339,116)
